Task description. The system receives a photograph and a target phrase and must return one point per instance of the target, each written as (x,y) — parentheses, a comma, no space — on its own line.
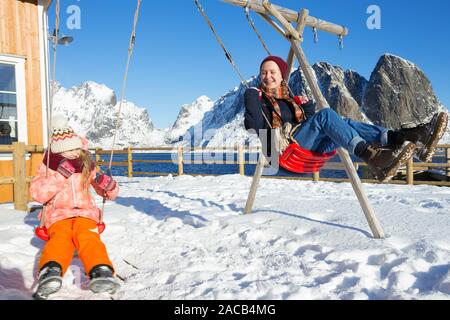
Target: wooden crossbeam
(303,14)
(292,16)
(291,32)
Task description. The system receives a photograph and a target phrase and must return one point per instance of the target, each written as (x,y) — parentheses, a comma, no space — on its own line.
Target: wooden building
(24,81)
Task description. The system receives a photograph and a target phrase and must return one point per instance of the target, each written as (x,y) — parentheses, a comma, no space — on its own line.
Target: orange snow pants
(70,234)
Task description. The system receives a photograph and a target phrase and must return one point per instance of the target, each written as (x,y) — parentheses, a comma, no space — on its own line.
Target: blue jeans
(326,131)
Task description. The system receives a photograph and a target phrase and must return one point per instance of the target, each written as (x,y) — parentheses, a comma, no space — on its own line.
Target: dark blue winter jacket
(254,119)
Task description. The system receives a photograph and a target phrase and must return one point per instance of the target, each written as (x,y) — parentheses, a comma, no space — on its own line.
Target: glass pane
(7,77)
(8,132)
(8,106)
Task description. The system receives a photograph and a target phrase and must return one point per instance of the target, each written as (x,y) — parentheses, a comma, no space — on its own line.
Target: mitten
(66,168)
(105,182)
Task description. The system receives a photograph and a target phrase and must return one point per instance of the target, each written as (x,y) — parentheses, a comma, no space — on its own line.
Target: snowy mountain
(223,124)
(92,110)
(397,93)
(189,115)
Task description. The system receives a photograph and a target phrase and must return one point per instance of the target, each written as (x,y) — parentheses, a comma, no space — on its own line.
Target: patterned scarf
(56,158)
(282,92)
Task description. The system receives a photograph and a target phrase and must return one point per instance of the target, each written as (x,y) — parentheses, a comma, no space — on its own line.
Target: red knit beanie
(280,63)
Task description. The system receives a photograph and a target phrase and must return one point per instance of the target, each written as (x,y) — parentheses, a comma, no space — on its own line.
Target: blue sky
(176,57)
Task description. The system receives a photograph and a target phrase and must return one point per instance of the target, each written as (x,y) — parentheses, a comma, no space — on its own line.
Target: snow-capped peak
(189,116)
(92,111)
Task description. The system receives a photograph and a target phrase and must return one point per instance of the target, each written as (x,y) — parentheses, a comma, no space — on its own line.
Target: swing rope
(122,95)
(50,104)
(252,24)
(124,82)
(227,54)
(52,89)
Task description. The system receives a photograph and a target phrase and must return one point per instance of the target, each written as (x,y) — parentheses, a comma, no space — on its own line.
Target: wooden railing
(180,161)
(20,180)
(408,170)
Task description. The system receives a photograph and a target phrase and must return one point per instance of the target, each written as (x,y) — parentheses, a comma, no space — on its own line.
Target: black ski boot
(102,279)
(425,136)
(384,162)
(50,280)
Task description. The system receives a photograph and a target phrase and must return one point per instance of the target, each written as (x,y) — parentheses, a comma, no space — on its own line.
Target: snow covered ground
(186,238)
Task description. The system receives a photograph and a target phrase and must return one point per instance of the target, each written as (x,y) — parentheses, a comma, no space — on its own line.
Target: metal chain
(341,42)
(252,24)
(316,37)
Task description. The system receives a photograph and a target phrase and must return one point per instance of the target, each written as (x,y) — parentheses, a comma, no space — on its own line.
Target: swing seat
(42,232)
(299,160)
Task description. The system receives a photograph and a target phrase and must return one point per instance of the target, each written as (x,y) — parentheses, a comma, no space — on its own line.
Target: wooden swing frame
(295,36)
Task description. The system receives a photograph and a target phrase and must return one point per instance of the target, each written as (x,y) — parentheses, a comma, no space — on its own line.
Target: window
(12,100)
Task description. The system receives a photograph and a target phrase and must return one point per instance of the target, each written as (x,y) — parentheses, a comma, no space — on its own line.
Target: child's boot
(50,280)
(102,279)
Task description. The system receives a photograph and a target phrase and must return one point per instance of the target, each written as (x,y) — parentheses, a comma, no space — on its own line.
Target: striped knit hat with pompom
(63,137)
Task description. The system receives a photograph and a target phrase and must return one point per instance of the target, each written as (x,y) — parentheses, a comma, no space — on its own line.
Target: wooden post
(20,185)
(255,183)
(447,155)
(180,160)
(316,176)
(97,158)
(349,168)
(302,15)
(410,171)
(130,162)
(241,160)
(291,32)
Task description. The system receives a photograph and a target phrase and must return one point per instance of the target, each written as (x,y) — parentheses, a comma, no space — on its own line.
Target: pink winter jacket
(65,197)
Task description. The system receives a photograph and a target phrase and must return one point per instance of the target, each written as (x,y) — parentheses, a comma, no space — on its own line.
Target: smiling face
(71,154)
(270,75)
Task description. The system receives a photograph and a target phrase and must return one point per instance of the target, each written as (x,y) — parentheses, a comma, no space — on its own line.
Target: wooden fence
(20,180)
(408,170)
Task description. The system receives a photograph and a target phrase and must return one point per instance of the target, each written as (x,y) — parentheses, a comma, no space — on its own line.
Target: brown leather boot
(425,136)
(384,162)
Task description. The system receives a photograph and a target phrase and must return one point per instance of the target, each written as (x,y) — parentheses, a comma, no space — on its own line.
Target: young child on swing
(71,216)
(384,150)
